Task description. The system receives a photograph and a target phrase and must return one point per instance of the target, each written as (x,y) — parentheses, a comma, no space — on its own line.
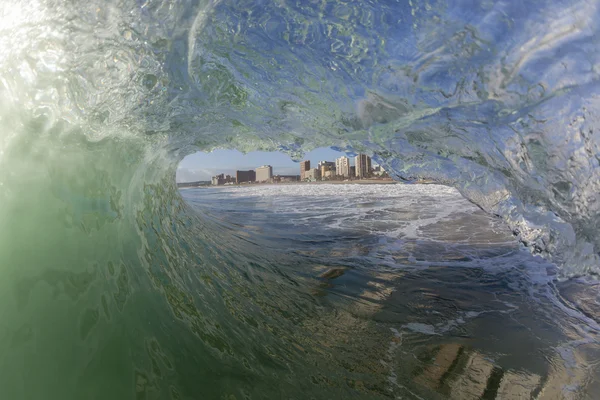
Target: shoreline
(354,182)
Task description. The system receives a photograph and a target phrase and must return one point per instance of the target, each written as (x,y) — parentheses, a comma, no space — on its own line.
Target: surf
(99,101)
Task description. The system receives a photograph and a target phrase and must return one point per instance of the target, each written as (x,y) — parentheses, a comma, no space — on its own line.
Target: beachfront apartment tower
(218,179)
(342,166)
(362,162)
(326,166)
(264,173)
(304,166)
(245,176)
(313,174)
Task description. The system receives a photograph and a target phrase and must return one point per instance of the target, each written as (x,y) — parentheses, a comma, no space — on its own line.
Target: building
(342,166)
(222,179)
(362,162)
(353,171)
(264,173)
(245,176)
(379,171)
(285,178)
(218,180)
(328,164)
(325,167)
(304,166)
(313,174)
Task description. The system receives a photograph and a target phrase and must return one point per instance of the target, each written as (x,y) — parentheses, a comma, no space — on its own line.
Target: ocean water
(114,284)
(404,291)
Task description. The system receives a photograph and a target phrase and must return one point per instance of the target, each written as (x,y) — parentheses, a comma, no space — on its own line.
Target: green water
(112,286)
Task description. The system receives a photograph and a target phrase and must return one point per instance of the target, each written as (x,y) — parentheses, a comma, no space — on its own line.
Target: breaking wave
(100,100)
(498,99)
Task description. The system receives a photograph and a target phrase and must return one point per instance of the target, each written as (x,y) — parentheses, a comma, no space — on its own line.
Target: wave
(100,100)
(496,99)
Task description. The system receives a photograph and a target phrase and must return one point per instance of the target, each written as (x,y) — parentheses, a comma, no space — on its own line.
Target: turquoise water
(114,287)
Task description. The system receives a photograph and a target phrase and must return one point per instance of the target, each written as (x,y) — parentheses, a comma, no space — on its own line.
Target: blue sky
(201,166)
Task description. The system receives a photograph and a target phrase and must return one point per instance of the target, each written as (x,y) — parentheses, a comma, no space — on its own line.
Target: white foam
(351,206)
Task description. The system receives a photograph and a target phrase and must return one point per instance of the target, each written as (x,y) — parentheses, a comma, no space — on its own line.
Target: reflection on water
(112,288)
(461,335)
(417,297)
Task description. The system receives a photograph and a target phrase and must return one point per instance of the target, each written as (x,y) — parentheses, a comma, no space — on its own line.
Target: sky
(202,166)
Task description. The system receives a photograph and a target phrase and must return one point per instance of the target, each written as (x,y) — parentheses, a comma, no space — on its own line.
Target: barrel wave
(108,275)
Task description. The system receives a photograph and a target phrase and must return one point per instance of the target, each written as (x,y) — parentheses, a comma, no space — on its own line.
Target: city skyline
(203,166)
(324,171)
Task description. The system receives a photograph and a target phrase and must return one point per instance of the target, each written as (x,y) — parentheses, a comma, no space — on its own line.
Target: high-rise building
(245,176)
(222,179)
(313,174)
(218,179)
(328,174)
(285,178)
(304,166)
(330,164)
(379,171)
(326,166)
(342,166)
(362,162)
(264,173)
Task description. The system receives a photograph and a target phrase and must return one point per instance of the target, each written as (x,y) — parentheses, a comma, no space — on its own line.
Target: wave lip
(497,99)
(99,101)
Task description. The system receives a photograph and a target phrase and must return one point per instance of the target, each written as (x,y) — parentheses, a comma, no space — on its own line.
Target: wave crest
(496,99)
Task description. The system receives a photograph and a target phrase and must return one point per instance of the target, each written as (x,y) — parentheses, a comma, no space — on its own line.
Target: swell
(497,99)
(100,100)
